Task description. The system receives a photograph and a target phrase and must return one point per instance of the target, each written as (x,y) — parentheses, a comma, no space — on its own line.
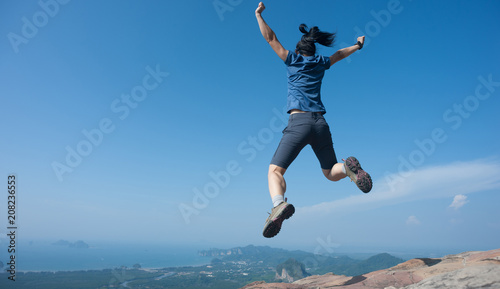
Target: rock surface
(466,270)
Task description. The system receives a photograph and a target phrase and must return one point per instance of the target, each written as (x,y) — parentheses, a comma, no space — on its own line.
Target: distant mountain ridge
(314,264)
(220,252)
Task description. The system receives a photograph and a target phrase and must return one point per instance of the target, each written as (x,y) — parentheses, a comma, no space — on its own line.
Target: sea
(45,256)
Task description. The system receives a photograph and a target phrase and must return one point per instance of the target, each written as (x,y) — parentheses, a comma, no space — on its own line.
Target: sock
(277,200)
(343,169)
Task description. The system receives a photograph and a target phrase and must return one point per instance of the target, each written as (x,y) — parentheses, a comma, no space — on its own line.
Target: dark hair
(307,46)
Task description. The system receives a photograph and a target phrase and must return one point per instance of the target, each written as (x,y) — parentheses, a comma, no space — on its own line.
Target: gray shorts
(309,128)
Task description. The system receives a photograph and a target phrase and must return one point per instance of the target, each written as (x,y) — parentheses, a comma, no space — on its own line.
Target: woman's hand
(260,8)
(361,39)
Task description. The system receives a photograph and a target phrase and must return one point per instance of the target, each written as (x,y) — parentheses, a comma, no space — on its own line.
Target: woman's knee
(274,169)
(328,174)
(332,175)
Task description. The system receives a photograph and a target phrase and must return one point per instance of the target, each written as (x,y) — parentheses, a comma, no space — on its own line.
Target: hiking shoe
(358,175)
(279,213)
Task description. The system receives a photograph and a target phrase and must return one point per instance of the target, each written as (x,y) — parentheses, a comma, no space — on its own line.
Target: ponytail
(307,46)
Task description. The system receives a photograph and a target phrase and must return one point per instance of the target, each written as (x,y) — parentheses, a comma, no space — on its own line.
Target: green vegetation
(108,278)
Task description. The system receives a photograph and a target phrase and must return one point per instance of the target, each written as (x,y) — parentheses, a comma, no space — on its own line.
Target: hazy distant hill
(78,244)
(347,266)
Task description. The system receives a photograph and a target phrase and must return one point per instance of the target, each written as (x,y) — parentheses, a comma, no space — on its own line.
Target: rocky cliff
(466,270)
(290,271)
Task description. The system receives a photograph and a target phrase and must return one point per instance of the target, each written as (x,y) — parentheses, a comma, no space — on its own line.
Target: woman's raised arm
(269,34)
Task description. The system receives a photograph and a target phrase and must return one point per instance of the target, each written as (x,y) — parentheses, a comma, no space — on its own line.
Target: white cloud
(459,201)
(425,183)
(412,220)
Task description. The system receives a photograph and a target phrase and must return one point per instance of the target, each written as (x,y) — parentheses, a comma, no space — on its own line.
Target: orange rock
(480,269)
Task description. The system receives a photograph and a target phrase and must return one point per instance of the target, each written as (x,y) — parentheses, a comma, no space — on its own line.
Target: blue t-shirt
(305,74)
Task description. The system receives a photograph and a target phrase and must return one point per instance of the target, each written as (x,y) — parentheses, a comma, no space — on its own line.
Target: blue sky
(155,121)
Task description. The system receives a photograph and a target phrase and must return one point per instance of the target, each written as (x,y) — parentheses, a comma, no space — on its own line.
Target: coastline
(37,257)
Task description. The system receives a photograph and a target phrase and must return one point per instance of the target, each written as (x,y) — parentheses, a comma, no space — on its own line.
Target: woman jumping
(306,124)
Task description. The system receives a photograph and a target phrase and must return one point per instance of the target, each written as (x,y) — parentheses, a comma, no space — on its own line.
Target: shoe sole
(273,228)
(362,179)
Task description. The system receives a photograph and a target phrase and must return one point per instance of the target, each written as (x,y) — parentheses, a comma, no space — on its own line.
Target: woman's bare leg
(277,184)
(281,209)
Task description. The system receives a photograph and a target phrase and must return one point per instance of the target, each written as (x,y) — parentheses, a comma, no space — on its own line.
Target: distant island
(78,244)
